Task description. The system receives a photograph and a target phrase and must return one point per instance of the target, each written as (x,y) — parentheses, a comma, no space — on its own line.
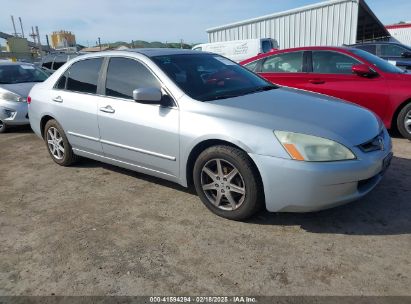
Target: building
(17,45)
(63,40)
(401,32)
(333,23)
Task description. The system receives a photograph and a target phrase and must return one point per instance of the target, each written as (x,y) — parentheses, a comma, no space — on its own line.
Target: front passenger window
(125,75)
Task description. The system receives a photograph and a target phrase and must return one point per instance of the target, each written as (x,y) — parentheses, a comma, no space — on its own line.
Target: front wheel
(3,127)
(404,121)
(57,144)
(228,183)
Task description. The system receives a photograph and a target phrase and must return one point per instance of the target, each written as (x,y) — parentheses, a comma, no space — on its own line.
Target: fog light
(9,113)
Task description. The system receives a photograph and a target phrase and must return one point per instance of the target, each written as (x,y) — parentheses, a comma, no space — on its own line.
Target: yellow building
(62,39)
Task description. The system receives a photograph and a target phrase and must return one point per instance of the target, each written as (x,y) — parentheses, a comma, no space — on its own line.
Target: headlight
(10,96)
(312,148)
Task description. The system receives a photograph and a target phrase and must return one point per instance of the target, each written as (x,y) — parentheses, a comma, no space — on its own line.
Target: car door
(286,69)
(145,136)
(75,100)
(332,75)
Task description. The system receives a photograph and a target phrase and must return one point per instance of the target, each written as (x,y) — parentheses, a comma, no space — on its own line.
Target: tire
(3,127)
(404,121)
(57,144)
(235,195)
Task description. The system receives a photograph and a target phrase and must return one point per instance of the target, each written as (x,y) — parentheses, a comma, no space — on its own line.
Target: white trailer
(401,32)
(239,50)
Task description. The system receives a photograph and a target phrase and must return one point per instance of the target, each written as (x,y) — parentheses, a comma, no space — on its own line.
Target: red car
(347,73)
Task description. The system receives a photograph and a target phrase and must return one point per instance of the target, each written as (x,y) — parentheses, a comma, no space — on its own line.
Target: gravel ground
(94,229)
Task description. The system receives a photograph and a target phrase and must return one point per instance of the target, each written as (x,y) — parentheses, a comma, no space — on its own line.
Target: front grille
(375,144)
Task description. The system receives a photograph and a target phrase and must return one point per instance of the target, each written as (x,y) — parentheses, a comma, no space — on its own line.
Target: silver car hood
(21,89)
(304,112)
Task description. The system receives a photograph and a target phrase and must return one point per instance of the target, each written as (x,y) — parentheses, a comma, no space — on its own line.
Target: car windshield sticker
(224,60)
(27,67)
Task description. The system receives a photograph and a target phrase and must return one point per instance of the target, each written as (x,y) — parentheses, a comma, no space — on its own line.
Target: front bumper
(14,113)
(297,186)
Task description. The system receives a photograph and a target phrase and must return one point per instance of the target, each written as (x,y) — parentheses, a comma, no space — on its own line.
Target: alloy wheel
(223,184)
(55,143)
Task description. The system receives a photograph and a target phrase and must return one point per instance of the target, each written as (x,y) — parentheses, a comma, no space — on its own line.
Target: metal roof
(280,14)
(333,22)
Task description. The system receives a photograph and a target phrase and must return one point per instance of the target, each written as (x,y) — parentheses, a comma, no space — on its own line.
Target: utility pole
(99,43)
(38,38)
(21,26)
(47,39)
(33,35)
(181,43)
(14,26)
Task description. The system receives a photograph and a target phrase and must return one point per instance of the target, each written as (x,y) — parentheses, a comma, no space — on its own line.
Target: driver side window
(326,62)
(392,50)
(124,75)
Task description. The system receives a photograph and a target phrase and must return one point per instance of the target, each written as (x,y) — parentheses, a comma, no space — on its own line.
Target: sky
(156,20)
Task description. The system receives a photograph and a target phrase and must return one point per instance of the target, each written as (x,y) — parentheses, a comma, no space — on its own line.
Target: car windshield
(18,73)
(382,64)
(208,77)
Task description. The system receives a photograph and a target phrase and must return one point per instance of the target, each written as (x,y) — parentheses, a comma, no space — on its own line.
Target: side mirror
(363,70)
(406,55)
(148,95)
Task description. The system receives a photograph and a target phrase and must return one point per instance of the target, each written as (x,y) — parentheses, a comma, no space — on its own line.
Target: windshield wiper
(222,96)
(261,89)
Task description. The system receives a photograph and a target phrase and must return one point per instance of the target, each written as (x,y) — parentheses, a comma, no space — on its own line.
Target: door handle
(107,109)
(58,99)
(316,81)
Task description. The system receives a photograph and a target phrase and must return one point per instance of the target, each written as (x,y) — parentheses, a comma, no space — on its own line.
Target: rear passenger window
(59,61)
(47,62)
(61,83)
(83,76)
(370,48)
(251,66)
(125,75)
(284,63)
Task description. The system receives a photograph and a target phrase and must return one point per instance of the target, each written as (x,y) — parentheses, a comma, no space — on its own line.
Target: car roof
(152,52)
(304,48)
(377,42)
(14,63)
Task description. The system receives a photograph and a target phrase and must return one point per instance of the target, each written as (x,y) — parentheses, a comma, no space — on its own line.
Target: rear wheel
(57,144)
(3,127)
(228,183)
(404,121)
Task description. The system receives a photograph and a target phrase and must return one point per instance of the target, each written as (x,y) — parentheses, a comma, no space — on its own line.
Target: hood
(303,112)
(21,89)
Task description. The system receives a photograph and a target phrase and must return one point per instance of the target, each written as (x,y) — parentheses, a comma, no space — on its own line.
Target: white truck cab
(239,50)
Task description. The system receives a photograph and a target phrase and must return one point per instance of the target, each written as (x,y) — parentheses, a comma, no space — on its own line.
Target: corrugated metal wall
(402,35)
(332,23)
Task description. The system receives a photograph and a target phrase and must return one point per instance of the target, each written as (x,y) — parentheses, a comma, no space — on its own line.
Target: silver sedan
(16,80)
(200,119)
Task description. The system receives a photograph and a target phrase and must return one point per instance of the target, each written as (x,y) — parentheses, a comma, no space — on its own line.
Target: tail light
(28,99)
